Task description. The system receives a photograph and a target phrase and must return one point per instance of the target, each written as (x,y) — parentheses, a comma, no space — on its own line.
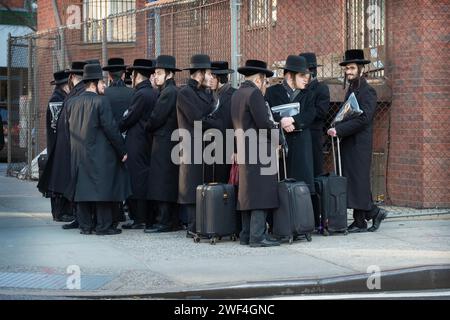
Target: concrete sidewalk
(32,245)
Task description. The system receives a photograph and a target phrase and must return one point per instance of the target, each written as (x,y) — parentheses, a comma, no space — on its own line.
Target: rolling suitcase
(295,215)
(331,190)
(215,211)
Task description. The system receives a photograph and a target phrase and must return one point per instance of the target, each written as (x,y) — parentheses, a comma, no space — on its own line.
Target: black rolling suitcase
(332,195)
(215,211)
(295,215)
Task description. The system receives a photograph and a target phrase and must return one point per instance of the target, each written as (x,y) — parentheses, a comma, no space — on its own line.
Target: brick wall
(418,51)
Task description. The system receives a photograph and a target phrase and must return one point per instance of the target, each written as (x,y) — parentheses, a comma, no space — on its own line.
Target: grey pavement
(32,244)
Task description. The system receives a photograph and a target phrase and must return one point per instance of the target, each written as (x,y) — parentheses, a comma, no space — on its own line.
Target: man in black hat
(257,190)
(220,118)
(163,175)
(299,162)
(321,104)
(139,142)
(356,145)
(193,103)
(99,177)
(57,202)
(118,93)
(56,175)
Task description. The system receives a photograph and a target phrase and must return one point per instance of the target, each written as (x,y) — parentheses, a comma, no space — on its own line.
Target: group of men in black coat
(142,169)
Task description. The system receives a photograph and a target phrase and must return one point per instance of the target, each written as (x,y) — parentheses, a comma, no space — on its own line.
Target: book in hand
(348,110)
(287,110)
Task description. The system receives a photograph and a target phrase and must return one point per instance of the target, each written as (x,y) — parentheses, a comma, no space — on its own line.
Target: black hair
(116,75)
(223,78)
(145,73)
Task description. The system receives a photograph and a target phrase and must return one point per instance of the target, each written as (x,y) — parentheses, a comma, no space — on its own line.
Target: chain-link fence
(235,31)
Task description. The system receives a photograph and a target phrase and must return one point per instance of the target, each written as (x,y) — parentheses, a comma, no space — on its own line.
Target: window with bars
(366,30)
(119,28)
(262,12)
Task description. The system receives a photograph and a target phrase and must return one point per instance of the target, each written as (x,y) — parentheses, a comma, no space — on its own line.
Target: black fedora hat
(142,64)
(253,67)
(77,67)
(115,64)
(311,59)
(199,61)
(166,62)
(220,67)
(354,56)
(92,71)
(296,64)
(60,77)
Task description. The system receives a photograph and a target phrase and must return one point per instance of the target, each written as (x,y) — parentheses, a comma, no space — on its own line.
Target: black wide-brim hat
(199,62)
(142,64)
(253,67)
(311,59)
(92,71)
(296,64)
(220,67)
(354,56)
(166,62)
(77,67)
(60,77)
(115,64)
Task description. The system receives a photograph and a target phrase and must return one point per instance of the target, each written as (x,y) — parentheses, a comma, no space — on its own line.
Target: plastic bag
(348,110)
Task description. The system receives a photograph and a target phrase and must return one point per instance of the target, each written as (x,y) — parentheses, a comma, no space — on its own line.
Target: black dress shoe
(158,228)
(264,243)
(382,214)
(108,232)
(244,242)
(133,226)
(85,231)
(72,225)
(353,228)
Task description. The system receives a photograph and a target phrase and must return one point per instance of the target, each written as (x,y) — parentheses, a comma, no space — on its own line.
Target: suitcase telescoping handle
(283,152)
(203,164)
(334,155)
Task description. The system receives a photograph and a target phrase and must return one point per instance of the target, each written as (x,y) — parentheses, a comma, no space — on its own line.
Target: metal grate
(49,281)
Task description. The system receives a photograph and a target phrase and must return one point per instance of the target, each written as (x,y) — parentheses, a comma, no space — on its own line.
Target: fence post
(9,101)
(104,45)
(29,112)
(157,33)
(234,16)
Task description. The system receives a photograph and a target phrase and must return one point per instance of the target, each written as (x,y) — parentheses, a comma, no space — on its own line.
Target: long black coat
(97,148)
(299,162)
(249,111)
(163,175)
(56,174)
(120,97)
(356,148)
(192,105)
(53,110)
(138,141)
(322,105)
(221,120)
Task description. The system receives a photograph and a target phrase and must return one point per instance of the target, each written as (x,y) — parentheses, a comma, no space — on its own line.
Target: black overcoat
(356,147)
(138,142)
(120,97)
(249,112)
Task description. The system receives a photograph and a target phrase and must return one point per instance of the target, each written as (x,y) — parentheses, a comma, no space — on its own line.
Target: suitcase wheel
(233,237)
(219,238)
(308,237)
(213,240)
(196,239)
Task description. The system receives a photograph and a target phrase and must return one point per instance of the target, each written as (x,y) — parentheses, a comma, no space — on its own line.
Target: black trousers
(190,210)
(167,214)
(142,211)
(96,215)
(60,206)
(253,226)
